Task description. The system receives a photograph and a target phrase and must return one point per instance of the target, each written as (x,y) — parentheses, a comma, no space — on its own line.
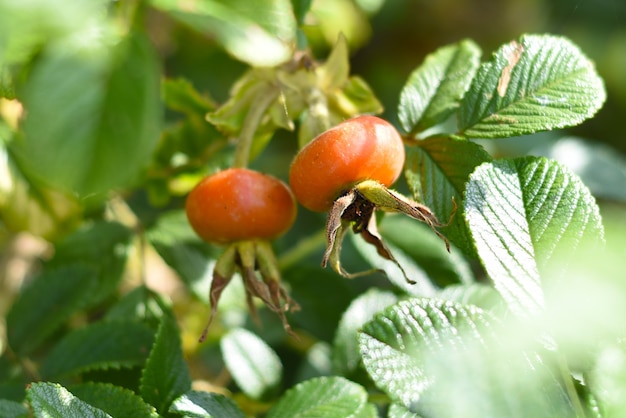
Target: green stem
(250,125)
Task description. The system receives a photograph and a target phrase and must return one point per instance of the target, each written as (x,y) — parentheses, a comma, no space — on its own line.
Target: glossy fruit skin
(361,148)
(240,204)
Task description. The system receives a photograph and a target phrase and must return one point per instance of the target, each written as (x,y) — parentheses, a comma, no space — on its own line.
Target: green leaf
(538,83)
(255,367)
(51,400)
(259,33)
(436,171)
(322,397)
(584,157)
(114,400)
(346,357)
(520,213)
(399,411)
(102,345)
(11,409)
(46,304)
(434,90)
(608,380)
(477,294)
(140,304)
(165,376)
(196,404)
(96,104)
(180,95)
(425,352)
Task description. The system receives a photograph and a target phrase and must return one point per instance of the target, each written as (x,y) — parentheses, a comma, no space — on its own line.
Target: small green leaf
(101,345)
(356,97)
(434,90)
(333,74)
(322,397)
(11,409)
(520,213)
(255,367)
(425,352)
(436,171)
(346,357)
(399,411)
(196,404)
(165,376)
(259,33)
(114,400)
(538,83)
(46,304)
(51,400)
(96,104)
(180,95)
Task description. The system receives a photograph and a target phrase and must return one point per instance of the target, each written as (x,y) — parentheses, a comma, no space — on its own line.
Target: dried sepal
(257,264)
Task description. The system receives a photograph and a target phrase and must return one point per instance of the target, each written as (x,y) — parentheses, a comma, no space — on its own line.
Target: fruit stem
(250,125)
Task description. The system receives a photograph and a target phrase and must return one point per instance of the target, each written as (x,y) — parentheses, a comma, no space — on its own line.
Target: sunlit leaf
(520,213)
(52,400)
(538,83)
(323,397)
(434,90)
(196,404)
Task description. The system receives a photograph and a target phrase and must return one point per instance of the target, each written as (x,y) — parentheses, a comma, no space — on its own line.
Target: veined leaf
(436,171)
(165,376)
(322,397)
(102,345)
(196,404)
(538,83)
(114,400)
(520,213)
(425,352)
(51,400)
(434,90)
(260,33)
(346,357)
(255,367)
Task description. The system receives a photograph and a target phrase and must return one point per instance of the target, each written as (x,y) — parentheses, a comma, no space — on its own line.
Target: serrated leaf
(11,409)
(323,397)
(424,352)
(46,304)
(396,275)
(96,104)
(114,400)
(51,400)
(259,33)
(255,367)
(477,294)
(165,376)
(584,157)
(399,411)
(520,212)
(140,304)
(436,171)
(102,345)
(196,404)
(541,82)
(434,90)
(346,357)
